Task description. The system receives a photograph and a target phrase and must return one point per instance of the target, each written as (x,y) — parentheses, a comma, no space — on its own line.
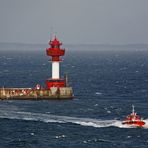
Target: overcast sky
(74,21)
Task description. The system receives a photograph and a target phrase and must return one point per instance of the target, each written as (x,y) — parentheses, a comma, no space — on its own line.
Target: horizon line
(81,44)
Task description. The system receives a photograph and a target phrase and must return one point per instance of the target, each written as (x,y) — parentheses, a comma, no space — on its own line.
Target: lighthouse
(55,51)
(55,86)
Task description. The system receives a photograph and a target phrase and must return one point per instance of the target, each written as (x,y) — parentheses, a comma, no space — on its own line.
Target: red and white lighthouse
(55,52)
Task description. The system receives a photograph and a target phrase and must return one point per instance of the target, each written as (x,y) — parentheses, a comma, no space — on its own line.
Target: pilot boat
(133,119)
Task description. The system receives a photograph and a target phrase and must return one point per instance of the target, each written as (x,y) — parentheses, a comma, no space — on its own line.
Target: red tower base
(55,83)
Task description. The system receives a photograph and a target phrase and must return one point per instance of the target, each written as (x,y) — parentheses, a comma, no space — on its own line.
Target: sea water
(106,81)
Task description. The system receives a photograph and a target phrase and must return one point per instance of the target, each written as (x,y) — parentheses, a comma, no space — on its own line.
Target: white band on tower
(55,70)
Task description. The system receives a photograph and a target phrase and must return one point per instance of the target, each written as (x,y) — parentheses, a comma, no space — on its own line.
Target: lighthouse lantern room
(55,52)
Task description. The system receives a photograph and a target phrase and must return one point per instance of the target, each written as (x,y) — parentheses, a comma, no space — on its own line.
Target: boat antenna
(133,110)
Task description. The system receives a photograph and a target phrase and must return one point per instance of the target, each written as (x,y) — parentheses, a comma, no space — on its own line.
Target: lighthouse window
(56,46)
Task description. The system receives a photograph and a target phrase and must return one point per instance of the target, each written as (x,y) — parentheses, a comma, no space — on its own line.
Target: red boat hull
(134,123)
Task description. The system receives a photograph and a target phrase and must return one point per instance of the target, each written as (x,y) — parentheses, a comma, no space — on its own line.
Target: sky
(74,21)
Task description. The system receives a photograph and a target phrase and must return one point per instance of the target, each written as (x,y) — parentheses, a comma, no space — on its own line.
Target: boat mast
(133,110)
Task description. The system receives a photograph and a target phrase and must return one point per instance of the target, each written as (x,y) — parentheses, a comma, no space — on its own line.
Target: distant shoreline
(76,47)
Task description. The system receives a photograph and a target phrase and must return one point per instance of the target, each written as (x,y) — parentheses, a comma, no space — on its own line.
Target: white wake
(63,119)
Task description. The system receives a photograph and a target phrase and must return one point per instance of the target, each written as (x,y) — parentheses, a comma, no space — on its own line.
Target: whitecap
(32,134)
(60,136)
(96,105)
(129,136)
(98,93)
(108,111)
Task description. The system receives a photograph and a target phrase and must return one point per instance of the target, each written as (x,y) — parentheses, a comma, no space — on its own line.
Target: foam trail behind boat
(62,119)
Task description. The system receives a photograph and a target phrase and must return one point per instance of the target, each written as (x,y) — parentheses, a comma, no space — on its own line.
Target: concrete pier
(34,94)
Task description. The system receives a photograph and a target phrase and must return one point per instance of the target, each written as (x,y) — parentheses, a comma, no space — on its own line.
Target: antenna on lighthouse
(51,33)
